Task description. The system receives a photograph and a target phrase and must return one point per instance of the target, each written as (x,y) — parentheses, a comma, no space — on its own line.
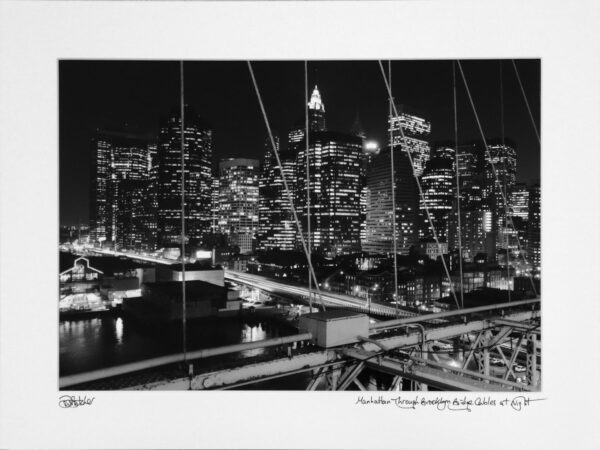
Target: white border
(34,35)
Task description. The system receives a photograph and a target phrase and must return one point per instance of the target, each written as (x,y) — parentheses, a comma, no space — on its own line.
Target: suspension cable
(309,256)
(456,164)
(526,101)
(505,193)
(393,177)
(183,300)
(421,194)
(489,156)
(285,185)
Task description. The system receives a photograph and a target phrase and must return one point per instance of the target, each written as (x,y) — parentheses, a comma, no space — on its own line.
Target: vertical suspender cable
(285,185)
(183,300)
(393,178)
(421,195)
(456,164)
(307,182)
(506,218)
(489,156)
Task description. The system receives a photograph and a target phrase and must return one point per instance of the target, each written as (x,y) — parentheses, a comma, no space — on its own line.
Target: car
(518,368)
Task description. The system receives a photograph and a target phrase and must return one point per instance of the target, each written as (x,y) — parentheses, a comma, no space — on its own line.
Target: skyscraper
(334,184)
(316,122)
(214,204)
(500,170)
(135,216)
(129,162)
(416,132)
(472,215)
(534,227)
(519,200)
(379,230)
(197,158)
(100,176)
(238,201)
(519,213)
(277,229)
(117,157)
(437,183)
(370,149)
(316,112)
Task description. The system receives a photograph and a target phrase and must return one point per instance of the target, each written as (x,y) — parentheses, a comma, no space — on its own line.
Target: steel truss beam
(430,376)
(444,332)
(258,372)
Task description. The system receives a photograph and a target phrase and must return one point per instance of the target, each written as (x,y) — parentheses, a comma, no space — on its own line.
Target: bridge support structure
(486,353)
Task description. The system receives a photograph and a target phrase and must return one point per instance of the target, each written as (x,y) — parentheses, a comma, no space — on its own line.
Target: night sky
(135,95)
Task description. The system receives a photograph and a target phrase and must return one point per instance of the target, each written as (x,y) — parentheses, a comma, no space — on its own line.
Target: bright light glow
(371,145)
(203,254)
(315,101)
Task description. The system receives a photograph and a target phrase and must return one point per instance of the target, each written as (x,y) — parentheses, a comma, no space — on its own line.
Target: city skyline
(238,124)
(376,216)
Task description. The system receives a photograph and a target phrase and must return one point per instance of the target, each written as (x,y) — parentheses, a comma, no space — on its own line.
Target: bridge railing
(453,314)
(86,377)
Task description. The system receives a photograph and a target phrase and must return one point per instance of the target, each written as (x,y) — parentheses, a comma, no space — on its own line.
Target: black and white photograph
(321,224)
(300,225)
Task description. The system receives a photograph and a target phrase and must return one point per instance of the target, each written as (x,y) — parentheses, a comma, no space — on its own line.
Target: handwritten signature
(72,401)
(441,403)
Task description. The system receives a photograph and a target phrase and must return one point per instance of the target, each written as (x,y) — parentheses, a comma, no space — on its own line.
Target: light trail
(330,299)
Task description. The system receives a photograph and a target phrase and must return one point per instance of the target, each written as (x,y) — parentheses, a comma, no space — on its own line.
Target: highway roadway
(284,288)
(329,298)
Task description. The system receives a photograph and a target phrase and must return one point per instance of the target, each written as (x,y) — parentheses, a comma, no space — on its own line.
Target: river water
(101,342)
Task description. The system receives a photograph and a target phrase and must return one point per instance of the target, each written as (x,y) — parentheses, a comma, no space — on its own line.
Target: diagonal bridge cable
(421,194)
(526,101)
(489,156)
(306,133)
(285,185)
(456,166)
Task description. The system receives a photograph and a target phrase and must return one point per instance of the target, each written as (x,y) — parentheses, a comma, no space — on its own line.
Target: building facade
(197,162)
(238,201)
(334,186)
(438,185)
(276,230)
(534,228)
(118,158)
(379,229)
(472,215)
(416,131)
(500,173)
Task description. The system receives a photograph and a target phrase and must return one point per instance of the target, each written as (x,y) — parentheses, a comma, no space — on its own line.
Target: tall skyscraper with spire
(316,112)
(332,184)
(316,121)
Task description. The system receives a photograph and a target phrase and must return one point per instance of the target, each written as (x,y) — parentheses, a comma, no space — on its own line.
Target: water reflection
(95,343)
(119,330)
(253,334)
